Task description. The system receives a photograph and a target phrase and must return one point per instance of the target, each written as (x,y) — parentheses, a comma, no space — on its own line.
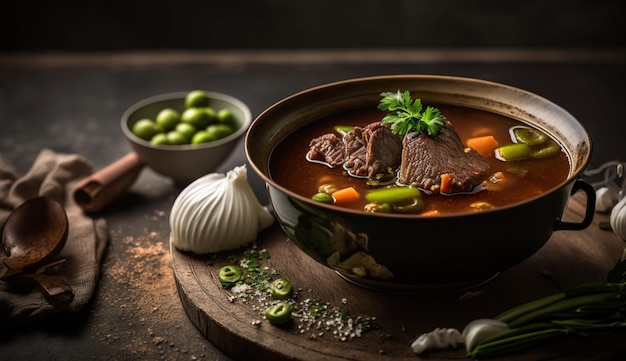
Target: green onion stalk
(585,310)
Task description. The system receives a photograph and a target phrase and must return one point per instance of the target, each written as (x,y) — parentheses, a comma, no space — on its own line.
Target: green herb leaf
(405,114)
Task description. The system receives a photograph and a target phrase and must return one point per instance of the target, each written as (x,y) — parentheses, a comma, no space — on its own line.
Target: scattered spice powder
(137,284)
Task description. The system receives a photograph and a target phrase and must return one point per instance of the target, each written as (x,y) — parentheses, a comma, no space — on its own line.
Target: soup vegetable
(418,159)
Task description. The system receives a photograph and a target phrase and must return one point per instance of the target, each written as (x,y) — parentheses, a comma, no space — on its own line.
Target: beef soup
(317,158)
(462,246)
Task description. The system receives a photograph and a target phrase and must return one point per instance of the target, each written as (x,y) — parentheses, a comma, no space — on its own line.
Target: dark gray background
(29,25)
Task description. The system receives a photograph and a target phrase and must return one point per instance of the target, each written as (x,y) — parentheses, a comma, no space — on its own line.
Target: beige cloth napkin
(53,175)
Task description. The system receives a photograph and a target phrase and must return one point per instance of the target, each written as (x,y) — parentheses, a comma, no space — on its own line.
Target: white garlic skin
(605,199)
(479,330)
(438,338)
(217,213)
(618,219)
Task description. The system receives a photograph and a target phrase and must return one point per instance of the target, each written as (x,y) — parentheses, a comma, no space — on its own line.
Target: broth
(289,167)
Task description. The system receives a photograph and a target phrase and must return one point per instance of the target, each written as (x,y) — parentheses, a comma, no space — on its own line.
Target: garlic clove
(481,329)
(439,338)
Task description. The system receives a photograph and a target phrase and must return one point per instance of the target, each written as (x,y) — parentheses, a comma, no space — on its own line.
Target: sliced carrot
(446,183)
(346,195)
(483,145)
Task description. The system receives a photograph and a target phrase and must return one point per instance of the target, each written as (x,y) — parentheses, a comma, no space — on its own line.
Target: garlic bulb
(618,219)
(216,213)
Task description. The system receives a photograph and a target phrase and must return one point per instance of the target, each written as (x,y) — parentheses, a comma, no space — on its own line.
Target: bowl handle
(590,207)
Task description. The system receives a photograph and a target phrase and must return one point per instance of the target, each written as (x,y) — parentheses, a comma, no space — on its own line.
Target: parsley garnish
(406,114)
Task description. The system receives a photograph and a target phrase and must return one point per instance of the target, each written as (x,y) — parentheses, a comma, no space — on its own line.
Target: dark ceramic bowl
(449,251)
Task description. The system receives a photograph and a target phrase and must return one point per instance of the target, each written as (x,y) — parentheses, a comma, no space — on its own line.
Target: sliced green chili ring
(393,194)
(322,197)
(529,136)
(412,205)
(278,314)
(550,149)
(513,152)
(229,275)
(281,289)
(343,129)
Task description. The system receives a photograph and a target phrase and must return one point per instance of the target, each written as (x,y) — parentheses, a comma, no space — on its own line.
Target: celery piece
(529,136)
(550,149)
(392,194)
(513,152)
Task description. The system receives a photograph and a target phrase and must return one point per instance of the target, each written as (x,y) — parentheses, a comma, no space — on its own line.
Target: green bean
(548,150)
(513,152)
(529,136)
(393,194)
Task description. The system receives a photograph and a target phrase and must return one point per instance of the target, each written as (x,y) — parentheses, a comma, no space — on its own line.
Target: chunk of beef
(372,149)
(356,152)
(327,148)
(426,158)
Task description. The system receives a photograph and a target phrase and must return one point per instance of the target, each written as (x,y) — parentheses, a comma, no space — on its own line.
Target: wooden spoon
(33,235)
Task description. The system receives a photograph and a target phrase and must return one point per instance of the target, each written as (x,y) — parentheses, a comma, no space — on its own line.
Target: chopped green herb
(405,114)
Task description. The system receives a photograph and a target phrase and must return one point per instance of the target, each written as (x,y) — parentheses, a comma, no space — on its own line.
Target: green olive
(278,314)
(145,128)
(160,138)
(202,136)
(219,130)
(196,98)
(176,138)
(212,115)
(196,116)
(229,275)
(167,118)
(281,289)
(225,116)
(185,129)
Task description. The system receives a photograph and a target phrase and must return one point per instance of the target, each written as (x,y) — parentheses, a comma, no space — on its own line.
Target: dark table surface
(72,103)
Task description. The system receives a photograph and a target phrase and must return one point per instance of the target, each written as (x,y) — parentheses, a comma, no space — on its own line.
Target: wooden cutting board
(237,327)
